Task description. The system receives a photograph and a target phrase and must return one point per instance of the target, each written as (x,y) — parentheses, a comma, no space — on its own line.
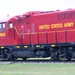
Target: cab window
(10,25)
(2,26)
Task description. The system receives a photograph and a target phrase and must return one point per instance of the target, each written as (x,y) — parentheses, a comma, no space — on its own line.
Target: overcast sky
(17,7)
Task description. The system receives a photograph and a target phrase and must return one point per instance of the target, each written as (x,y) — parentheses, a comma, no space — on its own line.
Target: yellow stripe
(2,34)
(38,46)
(17,46)
(17,31)
(25,46)
(52,45)
(2,47)
(40,32)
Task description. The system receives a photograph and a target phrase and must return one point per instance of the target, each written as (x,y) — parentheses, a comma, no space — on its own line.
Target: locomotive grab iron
(38,34)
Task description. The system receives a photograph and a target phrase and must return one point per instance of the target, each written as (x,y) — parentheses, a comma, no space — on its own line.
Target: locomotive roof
(35,13)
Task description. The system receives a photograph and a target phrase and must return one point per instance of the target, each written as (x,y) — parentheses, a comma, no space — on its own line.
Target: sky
(18,7)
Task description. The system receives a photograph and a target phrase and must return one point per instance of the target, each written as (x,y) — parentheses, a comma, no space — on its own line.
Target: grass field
(37,69)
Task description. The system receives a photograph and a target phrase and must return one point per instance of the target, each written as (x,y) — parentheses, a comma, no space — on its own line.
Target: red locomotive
(39,34)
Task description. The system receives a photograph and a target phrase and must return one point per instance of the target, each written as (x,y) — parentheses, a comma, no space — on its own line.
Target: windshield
(2,26)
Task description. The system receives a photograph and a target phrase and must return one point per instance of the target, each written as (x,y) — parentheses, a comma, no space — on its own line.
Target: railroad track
(35,61)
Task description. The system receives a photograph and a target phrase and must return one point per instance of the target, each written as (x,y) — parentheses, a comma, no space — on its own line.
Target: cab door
(11,33)
(15,33)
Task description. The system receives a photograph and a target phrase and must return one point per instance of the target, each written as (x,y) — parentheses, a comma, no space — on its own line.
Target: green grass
(37,69)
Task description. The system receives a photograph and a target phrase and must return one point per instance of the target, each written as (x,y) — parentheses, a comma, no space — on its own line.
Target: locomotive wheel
(10,57)
(4,56)
(55,56)
(68,56)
